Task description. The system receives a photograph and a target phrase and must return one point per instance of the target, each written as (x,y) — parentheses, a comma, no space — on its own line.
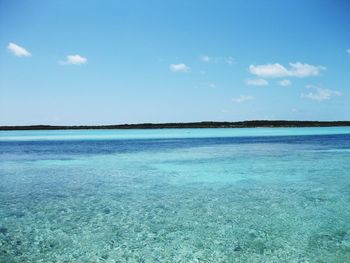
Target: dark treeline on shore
(204,124)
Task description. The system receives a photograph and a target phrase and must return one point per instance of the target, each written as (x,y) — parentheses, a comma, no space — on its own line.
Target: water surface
(175,195)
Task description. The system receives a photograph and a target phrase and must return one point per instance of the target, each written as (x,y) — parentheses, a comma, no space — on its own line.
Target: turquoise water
(187,195)
(164,133)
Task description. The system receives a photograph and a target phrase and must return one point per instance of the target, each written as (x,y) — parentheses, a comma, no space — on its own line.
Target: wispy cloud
(179,67)
(205,58)
(212,85)
(320,94)
(285,82)
(277,70)
(257,82)
(228,60)
(243,98)
(74,60)
(18,51)
(348,51)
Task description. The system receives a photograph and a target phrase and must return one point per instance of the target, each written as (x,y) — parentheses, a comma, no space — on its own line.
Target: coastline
(186,125)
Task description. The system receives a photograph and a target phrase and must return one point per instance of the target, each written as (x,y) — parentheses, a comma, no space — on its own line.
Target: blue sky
(108,62)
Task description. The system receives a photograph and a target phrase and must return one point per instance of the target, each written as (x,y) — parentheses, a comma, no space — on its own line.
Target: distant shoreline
(204,124)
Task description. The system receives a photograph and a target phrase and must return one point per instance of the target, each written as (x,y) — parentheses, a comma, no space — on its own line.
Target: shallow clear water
(190,195)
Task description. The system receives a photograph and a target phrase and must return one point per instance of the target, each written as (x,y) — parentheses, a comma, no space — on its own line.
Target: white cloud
(269,70)
(257,82)
(179,67)
(18,50)
(320,94)
(74,60)
(304,70)
(285,82)
(277,70)
(242,98)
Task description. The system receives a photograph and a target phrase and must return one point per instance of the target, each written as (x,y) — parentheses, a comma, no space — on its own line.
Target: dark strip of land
(204,124)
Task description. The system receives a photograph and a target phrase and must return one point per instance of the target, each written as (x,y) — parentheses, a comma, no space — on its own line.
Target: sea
(175,195)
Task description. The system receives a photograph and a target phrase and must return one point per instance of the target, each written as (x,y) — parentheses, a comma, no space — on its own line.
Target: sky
(66,62)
